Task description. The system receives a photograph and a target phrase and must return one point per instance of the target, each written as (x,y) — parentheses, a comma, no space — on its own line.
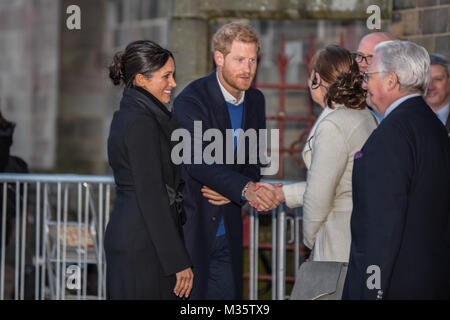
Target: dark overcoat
(401,209)
(144,243)
(202,100)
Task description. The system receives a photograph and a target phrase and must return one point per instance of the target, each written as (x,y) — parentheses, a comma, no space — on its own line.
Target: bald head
(367,46)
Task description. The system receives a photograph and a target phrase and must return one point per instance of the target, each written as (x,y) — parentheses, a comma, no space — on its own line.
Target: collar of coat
(160,107)
(326,111)
(148,102)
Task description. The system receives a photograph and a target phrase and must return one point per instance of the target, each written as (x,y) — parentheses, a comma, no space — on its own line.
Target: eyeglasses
(366,77)
(360,57)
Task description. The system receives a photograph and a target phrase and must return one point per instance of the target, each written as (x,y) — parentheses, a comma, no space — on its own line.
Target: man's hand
(214,197)
(263,197)
(185,280)
(277,188)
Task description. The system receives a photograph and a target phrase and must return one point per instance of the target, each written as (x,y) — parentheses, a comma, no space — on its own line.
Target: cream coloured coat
(326,195)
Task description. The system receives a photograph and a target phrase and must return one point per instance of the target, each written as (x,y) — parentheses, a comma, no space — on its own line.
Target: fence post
(251,248)
(281,253)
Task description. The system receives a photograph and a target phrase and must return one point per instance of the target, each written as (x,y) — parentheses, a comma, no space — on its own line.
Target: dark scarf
(146,100)
(158,103)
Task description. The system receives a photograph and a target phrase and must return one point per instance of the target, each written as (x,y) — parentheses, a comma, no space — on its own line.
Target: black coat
(143,242)
(203,101)
(10,164)
(447,123)
(401,209)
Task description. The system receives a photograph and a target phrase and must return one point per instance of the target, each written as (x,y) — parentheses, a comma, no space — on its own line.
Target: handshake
(263,196)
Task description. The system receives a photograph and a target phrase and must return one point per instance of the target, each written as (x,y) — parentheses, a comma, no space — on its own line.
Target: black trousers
(220,281)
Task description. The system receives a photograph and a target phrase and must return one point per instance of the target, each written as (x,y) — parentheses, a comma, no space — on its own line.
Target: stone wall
(83,89)
(29,38)
(423,21)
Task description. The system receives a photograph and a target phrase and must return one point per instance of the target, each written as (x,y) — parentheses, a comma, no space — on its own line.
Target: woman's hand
(269,196)
(185,280)
(214,197)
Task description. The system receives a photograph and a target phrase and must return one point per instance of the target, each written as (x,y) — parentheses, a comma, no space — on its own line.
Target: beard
(235,80)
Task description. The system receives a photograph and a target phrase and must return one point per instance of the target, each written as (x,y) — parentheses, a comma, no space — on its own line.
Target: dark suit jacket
(143,241)
(401,208)
(203,101)
(447,124)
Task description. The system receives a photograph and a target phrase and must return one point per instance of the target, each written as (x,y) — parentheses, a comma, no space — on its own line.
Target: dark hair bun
(347,89)
(116,69)
(139,57)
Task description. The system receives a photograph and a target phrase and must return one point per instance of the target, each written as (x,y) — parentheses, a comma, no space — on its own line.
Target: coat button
(213,218)
(379,295)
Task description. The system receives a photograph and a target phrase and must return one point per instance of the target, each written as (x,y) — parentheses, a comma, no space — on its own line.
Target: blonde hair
(225,36)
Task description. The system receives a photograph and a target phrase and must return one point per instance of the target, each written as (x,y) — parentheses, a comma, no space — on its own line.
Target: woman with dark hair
(338,134)
(145,252)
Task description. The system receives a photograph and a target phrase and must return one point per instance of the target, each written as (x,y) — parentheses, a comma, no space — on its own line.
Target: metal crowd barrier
(57,238)
(55,226)
(282,225)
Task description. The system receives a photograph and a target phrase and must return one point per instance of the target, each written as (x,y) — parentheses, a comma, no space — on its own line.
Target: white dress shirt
(442,113)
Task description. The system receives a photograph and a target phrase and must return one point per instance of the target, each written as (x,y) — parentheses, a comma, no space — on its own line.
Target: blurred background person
(338,134)
(439,88)
(145,252)
(6,133)
(364,54)
(10,164)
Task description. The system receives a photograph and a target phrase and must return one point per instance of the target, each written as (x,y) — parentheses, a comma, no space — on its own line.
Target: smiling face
(237,69)
(439,87)
(161,83)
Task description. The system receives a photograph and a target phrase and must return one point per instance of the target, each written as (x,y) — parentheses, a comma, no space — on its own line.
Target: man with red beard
(215,192)
(439,88)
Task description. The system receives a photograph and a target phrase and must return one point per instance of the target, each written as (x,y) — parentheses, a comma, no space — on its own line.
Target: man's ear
(218,58)
(392,80)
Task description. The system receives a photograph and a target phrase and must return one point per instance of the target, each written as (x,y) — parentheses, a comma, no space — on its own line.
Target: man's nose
(363,67)
(247,67)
